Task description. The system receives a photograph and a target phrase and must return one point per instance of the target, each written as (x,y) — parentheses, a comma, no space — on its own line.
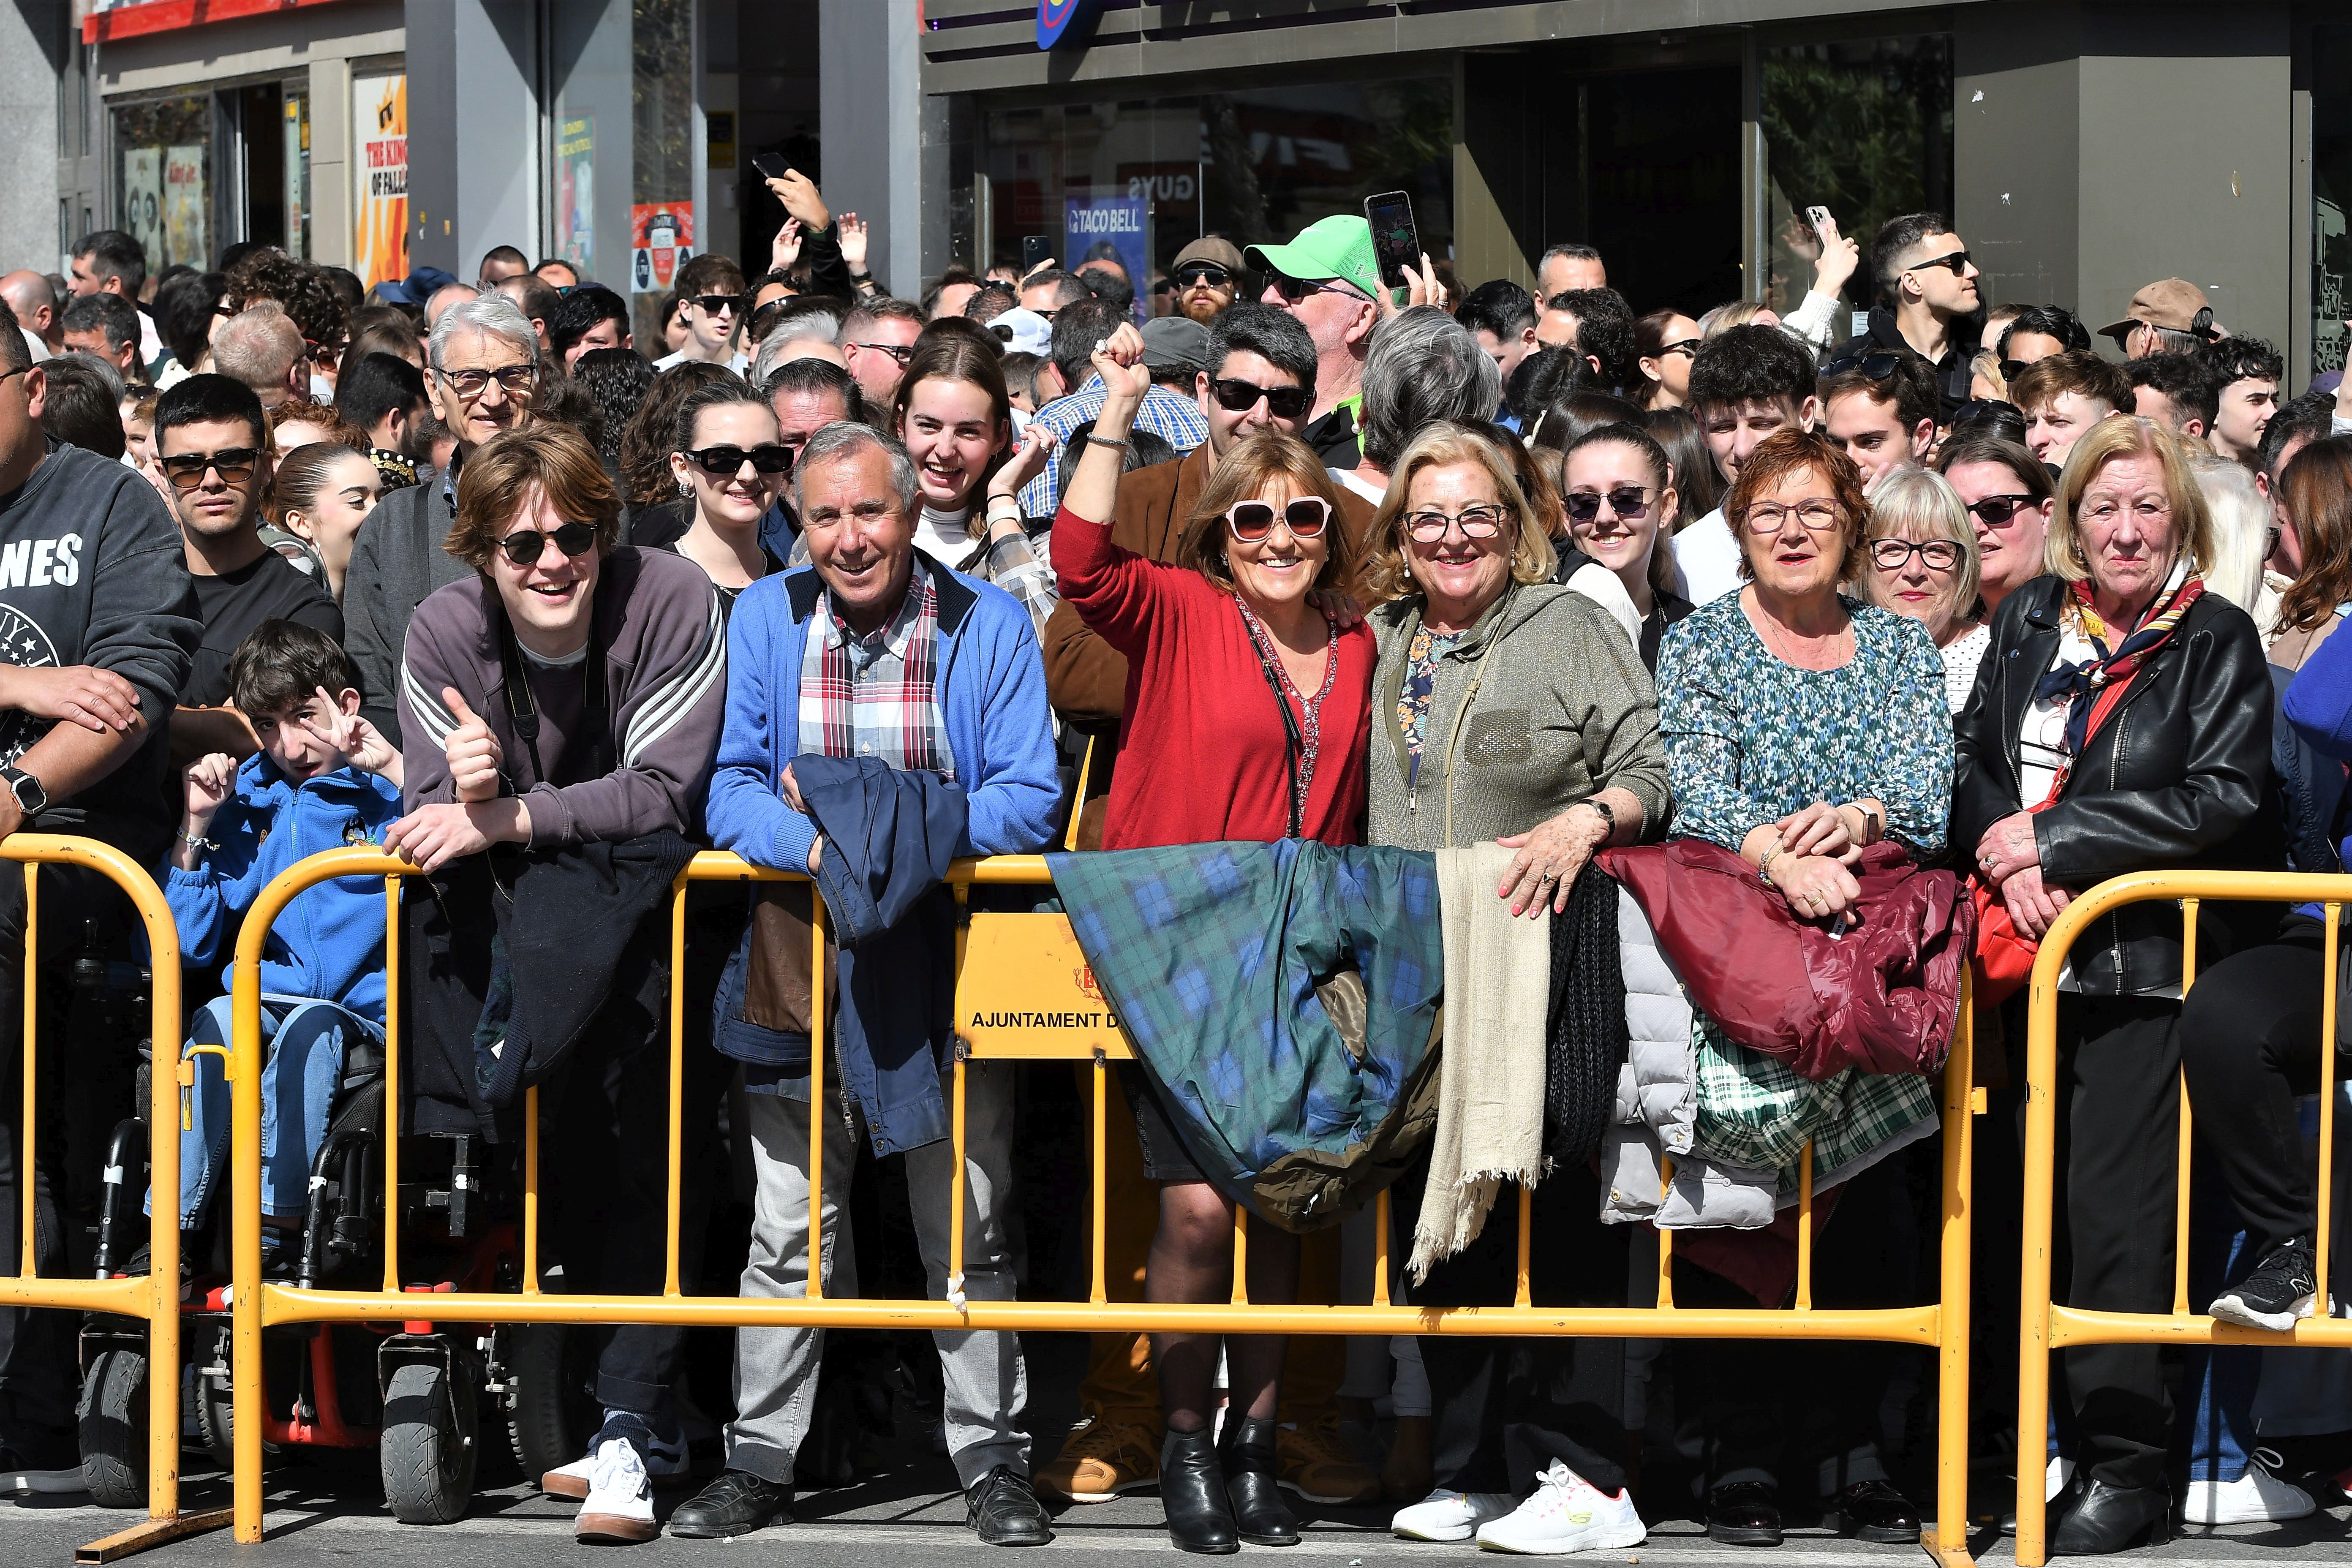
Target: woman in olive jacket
(2121,722)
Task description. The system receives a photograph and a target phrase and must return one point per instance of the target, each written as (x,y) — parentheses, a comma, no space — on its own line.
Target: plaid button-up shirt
(876,696)
(1163,414)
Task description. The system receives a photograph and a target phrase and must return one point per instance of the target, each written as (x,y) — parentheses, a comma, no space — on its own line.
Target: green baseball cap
(1337,247)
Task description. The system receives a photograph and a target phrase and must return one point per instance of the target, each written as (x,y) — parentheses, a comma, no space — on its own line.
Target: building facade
(2084,147)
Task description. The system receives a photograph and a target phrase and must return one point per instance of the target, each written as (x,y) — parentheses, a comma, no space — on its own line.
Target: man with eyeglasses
(878,339)
(1928,302)
(1329,280)
(482,368)
(1207,277)
(93,647)
(213,447)
(709,289)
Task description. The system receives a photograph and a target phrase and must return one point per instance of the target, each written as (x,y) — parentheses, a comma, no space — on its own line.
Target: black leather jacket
(2178,777)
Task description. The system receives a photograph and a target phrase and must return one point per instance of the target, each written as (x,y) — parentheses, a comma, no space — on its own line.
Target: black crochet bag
(1585,1022)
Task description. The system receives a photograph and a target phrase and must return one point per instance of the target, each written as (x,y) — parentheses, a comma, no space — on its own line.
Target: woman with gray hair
(1508,707)
(1424,367)
(1923,564)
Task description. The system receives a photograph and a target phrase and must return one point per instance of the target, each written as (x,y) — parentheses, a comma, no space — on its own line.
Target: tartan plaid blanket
(1754,1110)
(1212,954)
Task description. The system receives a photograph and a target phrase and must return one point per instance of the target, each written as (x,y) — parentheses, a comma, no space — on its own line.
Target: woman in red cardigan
(1248,708)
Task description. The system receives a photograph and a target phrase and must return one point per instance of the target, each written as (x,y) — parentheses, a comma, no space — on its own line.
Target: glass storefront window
(622,190)
(2331,196)
(1862,128)
(1254,165)
(163,177)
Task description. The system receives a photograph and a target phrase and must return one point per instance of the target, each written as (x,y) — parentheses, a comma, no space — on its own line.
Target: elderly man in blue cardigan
(873,655)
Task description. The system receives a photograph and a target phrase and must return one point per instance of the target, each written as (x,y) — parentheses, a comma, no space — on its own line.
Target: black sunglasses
(1994,511)
(1235,396)
(1630,502)
(1958,261)
(1207,272)
(1294,290)
(235,465)
(1877,366)
(525,545)
(727,461)
(713,303)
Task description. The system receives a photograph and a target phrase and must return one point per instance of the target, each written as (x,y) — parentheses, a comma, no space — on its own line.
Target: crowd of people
(1266,548)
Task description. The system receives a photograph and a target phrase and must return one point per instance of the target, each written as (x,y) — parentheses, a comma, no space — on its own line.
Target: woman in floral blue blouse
(1802,725)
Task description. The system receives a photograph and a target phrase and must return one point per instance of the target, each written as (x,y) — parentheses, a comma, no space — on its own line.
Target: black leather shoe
(2096,1519)
(1744,1513)
(1003,1511)
(1193,1491)
(1246,1453)
(737,1503)
(1875,1510)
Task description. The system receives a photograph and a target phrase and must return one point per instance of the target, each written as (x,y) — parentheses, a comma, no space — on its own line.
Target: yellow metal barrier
(1028,965)
(2045,1326)
(155,1297)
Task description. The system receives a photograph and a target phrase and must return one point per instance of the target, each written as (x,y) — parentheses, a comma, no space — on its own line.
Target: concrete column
(330,161)
(32,50)
(473,131)
(878,137)
(2099,148)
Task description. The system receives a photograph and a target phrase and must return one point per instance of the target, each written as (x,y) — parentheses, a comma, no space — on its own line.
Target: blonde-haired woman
(2242,519)
(2124,724)
(1923,564)
(1511,709)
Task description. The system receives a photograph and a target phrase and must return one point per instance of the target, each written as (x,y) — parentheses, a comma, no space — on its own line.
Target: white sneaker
(664,1458)
(2257,1497)
(2055,1478)
(1450,1516)
(620,1506)
(1566,1513)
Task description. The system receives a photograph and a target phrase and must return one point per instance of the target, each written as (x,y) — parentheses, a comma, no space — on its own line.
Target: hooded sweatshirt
(328,944)
(91,573)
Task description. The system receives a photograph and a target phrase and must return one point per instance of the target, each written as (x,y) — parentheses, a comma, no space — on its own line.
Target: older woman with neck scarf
(1245,716)
(2121,723)
(1802,727)
(1517,711)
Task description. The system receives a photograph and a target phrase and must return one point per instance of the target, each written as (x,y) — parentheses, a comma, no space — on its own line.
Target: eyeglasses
(899,352)
(324,356)
(765,315)
(1894,554)
(1475,521)
(1768,517)
(1999,511)
(1252,521)
(727,461)
(713,303)
(1235,396)
(20,370)
(1958,261)
(1630,502)
(235,466)
(2010,367)
(525,545)
(1687,348)
(514,380)
(1294,290)
(1203,272)
(1876,366)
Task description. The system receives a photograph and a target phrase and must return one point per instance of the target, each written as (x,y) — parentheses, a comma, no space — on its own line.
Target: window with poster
(163,177)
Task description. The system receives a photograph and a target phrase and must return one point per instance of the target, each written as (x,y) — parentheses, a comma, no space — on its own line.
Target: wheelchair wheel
(428,1449)
(551,1415)
(112,1422)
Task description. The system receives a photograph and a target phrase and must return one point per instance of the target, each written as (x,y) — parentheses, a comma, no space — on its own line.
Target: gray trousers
(776,1369)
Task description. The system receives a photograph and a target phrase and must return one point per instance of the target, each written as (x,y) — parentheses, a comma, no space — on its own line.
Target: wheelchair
(421,1395)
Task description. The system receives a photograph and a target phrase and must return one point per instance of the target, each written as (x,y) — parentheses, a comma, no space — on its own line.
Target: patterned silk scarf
(2103,679)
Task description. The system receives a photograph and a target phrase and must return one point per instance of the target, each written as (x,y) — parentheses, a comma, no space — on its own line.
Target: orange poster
(380,202)
(661,239)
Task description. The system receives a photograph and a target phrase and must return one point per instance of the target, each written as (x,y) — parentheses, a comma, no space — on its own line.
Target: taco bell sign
(1067,22)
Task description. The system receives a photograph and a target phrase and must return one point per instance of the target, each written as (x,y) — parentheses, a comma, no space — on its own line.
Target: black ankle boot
(1193,1491)
(1245,1450)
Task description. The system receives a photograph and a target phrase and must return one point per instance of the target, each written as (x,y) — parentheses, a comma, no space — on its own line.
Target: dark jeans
(2249,1041)
(38,1381)
(1502,1409)
(1785,1411)
(2118,1107)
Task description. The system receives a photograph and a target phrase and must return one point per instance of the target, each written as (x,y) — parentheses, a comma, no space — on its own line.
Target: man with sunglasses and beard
(1928,302)
(94,645)
(211,444)
(560,706)
(1208,278)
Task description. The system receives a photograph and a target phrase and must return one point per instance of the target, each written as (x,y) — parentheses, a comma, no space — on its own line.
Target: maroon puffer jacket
(1883,997)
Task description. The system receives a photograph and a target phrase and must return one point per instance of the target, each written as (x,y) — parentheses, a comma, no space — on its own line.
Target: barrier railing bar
(26,1162)
(1666,1237)
(1523,1296)
(1805,1227)
(2328,1002)
(956,1143)
(1241,1256)
(1380,1250)
(2188,1135)
(1095,1291)
(678,889)
(817,1112)
(391,1022)
(1953,1314)
(530,1191)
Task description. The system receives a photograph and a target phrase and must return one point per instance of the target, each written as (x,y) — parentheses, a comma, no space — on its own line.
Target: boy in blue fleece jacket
(324,778)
